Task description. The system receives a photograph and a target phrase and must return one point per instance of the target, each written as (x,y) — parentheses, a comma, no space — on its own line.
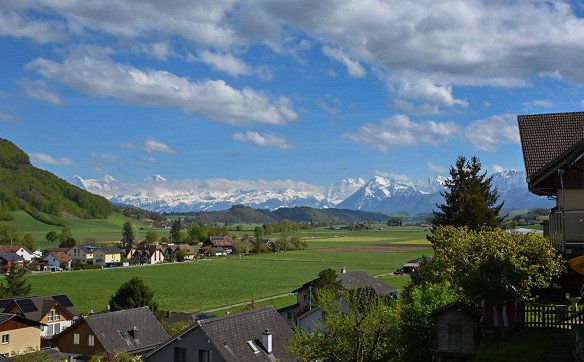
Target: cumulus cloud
(354,68)
(99,76)
(491,133)
(498,168)
(226,63)
(399,130)
(42,31)
(437,168)
(150,146)
(39,89)
(48,159)
(262,139)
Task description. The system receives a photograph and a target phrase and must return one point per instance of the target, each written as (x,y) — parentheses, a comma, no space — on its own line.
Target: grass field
(205,284)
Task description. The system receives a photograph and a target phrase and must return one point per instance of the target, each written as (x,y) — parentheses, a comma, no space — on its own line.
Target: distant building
(108,256)
(8,261)
(54,312)
(147,254)
(17,249)
(82,254)
(219,245)
(133,330)
(253,335)
(56,260)
(18,334)
(553,151)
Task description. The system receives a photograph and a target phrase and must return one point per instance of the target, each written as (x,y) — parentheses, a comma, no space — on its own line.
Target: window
(5,338)
(91,340)
(204,355)
(50,316)
(76,338)
(49,330)
(253,347)
(180,354)
(57,315)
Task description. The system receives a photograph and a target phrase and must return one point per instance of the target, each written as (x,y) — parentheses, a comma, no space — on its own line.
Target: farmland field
(204,284)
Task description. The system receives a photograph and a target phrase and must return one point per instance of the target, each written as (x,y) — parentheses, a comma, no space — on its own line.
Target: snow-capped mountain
(381,194)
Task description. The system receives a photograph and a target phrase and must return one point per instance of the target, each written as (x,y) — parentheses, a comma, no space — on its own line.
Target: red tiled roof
(9,248)
(61,256)
(224,241)
(545,137)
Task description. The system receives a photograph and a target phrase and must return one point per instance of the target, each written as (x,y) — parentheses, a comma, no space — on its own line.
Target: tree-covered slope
(25,187)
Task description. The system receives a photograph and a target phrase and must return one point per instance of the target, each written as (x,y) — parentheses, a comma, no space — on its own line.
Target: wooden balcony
(566,231)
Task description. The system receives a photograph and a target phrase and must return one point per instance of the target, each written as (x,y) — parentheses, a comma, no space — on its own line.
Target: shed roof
(544,137)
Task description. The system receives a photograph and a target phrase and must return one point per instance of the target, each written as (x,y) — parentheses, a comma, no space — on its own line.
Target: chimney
(343,270)
(267,340)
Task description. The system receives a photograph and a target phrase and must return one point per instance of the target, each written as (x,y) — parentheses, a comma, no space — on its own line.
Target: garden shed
(455,332)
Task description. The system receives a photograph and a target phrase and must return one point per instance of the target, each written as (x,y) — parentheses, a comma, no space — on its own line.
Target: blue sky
(309,91)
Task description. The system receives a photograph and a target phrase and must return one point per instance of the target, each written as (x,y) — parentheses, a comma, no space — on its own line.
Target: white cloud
(491,133)
(160,50)
(41,31)
(150,146)
(99,76)
(262,139)
(354,69)
(48,159)
(394,176)
(540,103)
(39,89)
(437,168)
(498,168)
(226,63)
(399,130)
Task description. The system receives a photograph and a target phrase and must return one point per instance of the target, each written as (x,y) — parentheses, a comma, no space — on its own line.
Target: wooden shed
(455,332)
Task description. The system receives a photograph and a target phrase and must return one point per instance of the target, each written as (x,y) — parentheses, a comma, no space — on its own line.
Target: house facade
(254,335)
(9,261)
(108,256)
(553,152)
(57,260)
(55,313)
(18,334)
(147,254)
(17,249)
(218,246)
(82,254)
(133,330)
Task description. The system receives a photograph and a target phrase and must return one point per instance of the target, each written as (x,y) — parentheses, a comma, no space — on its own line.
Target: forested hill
(39,192)
(244,214)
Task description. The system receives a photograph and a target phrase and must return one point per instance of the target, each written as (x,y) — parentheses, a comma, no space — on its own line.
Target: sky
(302,90)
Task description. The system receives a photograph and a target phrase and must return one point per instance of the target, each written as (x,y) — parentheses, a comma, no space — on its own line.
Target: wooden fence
(550,316)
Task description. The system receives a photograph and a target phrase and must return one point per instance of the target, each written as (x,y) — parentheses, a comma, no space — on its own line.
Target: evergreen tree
(16,285)
(128,234)
(28,242)
(175,231)
(65,235)
(133,294)
(469,199)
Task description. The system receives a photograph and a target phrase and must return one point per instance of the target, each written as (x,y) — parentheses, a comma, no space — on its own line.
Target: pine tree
(175,231)
(133,294)
(470,200)
(16,285)
(128,235)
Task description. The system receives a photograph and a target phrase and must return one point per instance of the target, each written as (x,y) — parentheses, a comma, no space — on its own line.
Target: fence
(551,316)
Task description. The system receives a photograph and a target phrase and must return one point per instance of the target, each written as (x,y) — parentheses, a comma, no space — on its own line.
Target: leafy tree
(16,284)
(181,255)
(32,355)
(176,232)
(469,199)
(128,234)
(196,232)
(415,324)
(133,294)
(359,326)
(65,235)
(28,242)
(69,243)
(151,237)
(394,221)
(52,236)
(258,232)
(9,234)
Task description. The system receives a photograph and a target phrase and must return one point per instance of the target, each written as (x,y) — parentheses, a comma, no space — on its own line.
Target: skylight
(253,347)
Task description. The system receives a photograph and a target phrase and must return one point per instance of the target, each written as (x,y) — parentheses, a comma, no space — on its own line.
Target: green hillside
(40,193)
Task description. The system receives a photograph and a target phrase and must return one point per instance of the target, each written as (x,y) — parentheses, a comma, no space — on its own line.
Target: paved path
(246,303)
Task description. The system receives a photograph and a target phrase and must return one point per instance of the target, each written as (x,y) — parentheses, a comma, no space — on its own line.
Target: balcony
(566,231)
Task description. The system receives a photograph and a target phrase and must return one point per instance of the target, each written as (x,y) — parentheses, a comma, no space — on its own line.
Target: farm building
(219,245)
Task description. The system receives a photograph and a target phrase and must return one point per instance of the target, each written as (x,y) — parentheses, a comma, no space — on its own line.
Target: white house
(56,259)
(17,249)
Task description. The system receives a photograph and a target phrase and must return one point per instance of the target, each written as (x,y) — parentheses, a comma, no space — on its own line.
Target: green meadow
(210,283)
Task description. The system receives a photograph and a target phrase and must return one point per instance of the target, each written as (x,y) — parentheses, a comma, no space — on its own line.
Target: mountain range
(378,194)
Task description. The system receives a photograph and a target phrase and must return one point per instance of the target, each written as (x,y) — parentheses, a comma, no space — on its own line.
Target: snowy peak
(341,190)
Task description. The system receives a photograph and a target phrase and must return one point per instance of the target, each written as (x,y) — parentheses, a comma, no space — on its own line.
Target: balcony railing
(567,230)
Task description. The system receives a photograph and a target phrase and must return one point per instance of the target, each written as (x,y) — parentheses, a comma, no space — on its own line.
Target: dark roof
(111,250)
(460,306)
(544,137)
(11,256)
(5,317)
(112,329)
(35,308)
(12,248)
(224,241)
(230,334)
(359,279)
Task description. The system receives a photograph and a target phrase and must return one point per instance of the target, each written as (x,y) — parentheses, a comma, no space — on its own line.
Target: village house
(253,335)
(171,252)
(108,256)
(18,334)
(17,249)
(146,254)
(82,254)
(222,245)
(135,331)
(553,151)
(307,315)
(57,260)
(54,312)
(8,261)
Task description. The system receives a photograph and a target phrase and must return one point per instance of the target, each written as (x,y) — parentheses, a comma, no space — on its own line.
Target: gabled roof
(111,250)
(60,256)
(11,257)
(230,335)
(112,329)
(224,241)
(12,248)
(5,317)
(87,248)
(544,137)
(359,279)
(459,306)
(35,308)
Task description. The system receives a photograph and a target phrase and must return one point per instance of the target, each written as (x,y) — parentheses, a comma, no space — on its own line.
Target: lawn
(205,284)
(528,347)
